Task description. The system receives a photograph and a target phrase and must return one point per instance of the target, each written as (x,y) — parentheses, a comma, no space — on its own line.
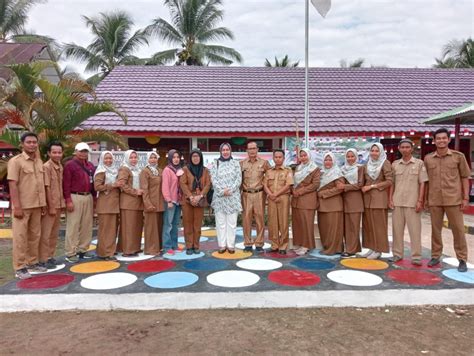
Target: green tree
(284,62)
(457,54)
(194,23)
(358,63)
(13,17)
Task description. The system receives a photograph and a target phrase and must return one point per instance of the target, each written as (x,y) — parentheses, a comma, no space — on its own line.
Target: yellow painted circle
(209,233)
(239,254)
(92,247)
(95,267)
(364,264)
(5,233)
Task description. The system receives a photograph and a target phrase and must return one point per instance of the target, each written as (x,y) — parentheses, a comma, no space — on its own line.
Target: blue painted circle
(182,256)
(312,263)
(169,280)
(316,253)
(465,277)
(181,239)
(206,265)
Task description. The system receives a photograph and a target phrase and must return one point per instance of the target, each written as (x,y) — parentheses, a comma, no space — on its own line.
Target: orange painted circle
(209,233)
(364,264)
(95,267)
(239,254)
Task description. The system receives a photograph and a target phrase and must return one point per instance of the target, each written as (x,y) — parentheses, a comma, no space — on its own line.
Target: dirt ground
(327,331)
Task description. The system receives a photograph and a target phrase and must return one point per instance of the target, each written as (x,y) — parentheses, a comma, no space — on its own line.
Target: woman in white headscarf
(153,203)
(131,205)
(378,179)
(304,203)
(330,211)
(107,208)
(353,202)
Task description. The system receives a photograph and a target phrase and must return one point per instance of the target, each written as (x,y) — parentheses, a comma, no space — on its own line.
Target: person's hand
(295,193)
(139,192)
(464,204)
(52,211)
(391,205)
(272,196)
(18,213)
(340,185)
(419,206)
(150,209)
(366,188)
(227,192)
(70,206)
(170,205)
(118,184)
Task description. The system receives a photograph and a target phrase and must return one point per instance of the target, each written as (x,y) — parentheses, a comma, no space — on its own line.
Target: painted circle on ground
(414,278)
(107,281)
(354,278)
(406,263)
(151,266)
(201,239)
(452,261)
(233,279)
(210,245)
(170,280)
(364,264)
(141,257)
(57,268)
(289,254)
(94,242)
(294,278)
(241,245)
(206,265)
(182,256)
(46,281)
(312,263)
(95,267)
(364,251)
(318,254)
(205,228)
(237,255)
(209,233)
(92,247)
(259,264)
(465,277)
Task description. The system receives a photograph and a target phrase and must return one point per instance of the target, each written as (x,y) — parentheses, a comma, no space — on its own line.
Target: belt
(253,190)
(81,193)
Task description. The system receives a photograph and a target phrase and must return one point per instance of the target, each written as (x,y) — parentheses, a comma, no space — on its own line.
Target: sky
(394,33)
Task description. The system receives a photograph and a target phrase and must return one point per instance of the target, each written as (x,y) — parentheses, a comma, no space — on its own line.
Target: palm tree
(13,16)
(193,25)
(113,44)
(358,63)
(457,54)
(284,62)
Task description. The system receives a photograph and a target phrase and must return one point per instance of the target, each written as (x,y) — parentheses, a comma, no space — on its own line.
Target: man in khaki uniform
(50,222)
(25,179)
(277,183)
(253,196)
(448,192)
(406,200)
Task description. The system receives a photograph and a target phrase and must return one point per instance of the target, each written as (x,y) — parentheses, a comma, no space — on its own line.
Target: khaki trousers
(331,231)
(49,235)
(152,231)
(79,224)
(278,222)
(303,227)
(352,232)
(26,237)
(131,226)
(107,235)
(375,230)
(253,205)
(456,222)
(192,222)
(402,216)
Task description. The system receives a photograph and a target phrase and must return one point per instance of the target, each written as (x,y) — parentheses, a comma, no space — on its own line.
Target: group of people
(131,201)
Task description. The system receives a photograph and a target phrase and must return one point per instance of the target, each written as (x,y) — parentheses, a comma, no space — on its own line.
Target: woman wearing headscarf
(378,178)
(304,202)
(353,202)
(195,183)
(226,178)
(150,183)
(107,208)
(131,205)
(172,196)
(331,207)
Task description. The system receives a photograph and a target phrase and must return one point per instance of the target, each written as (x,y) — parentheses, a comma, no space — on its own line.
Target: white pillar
(194,142)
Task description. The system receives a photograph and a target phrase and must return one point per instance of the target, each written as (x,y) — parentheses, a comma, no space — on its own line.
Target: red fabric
(76,179)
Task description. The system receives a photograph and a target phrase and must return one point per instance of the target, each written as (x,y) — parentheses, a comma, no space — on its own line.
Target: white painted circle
(105,281)
(57,268)
(354,278)
(141,257)
(452,261)
(182,240)
(204,228)
(233,279)
(94,242)
(241,245)
(387,254)
(259,264)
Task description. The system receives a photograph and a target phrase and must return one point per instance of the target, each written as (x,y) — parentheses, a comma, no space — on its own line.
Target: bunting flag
(323,6)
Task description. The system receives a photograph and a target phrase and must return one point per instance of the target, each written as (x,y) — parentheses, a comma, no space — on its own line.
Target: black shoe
(248,249)
(231,251)
(196,251)
(50,265)
(85,255)
(54,261)
(282,252)
(259,249)
(189,251)
(221,251)
(433,262)
(395,259)
(462,266)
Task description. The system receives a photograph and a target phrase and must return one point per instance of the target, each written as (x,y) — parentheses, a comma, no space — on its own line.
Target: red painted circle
(46,281)
(151,266)
(414,278)
(406,263)
(294,278)
(289,254)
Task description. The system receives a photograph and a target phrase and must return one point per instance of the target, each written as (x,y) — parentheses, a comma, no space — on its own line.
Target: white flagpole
(306,74)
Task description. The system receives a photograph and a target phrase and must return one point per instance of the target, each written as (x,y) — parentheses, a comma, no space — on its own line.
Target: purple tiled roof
(268,100)
(12,53)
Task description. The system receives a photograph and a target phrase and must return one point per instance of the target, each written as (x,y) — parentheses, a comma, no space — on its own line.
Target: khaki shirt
(29,175)
(53,178)
(445,174)
(277,178)
(407,177)
(253,173)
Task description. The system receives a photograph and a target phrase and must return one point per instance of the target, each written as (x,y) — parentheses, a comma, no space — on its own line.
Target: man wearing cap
(78,185)
(406,200)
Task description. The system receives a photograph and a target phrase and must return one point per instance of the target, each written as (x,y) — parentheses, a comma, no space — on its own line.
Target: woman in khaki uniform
(131,205)
(378,178)
(107,187)
(195,183)
(330,211)
(150,183)
(353,203)
(304,202)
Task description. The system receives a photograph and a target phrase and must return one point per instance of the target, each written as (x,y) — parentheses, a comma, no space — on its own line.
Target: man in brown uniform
(25,176)
(406,200)
(277,183)
(53,181)
(448,192)
(253,196)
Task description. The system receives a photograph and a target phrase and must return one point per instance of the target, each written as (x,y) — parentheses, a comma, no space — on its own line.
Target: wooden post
(457,132)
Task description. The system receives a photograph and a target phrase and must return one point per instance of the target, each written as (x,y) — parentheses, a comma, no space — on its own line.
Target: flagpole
(306,96)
